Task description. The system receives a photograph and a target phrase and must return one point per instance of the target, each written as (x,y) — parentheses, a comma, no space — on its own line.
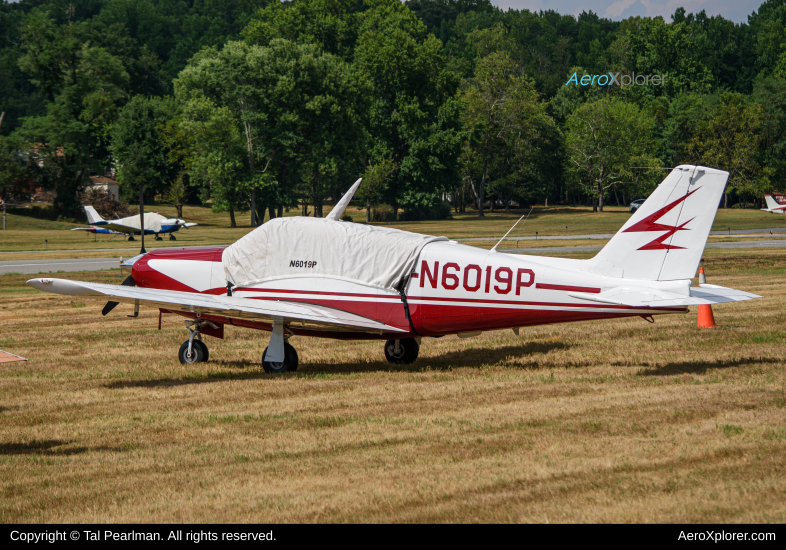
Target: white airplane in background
(155,224)
(300,276)
(773,206)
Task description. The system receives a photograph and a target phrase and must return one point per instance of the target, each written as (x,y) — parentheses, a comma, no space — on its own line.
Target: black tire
(172,237)
(197,353)
(288,365)
(158,238)
(206,351)
(131,238)
(408,351)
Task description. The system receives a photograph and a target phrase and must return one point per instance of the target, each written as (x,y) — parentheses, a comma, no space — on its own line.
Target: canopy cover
(153,221)
(314,247)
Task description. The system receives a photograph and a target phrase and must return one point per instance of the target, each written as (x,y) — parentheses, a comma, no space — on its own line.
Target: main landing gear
(172,237)
(279,356)
(194,349)
(402,352)
(158,238)
(289,364)
(131,237)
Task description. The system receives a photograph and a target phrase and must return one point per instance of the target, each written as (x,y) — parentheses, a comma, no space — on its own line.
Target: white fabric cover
(153,221)
(283,248)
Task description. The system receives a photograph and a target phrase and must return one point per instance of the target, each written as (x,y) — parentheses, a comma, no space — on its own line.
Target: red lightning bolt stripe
(650,224)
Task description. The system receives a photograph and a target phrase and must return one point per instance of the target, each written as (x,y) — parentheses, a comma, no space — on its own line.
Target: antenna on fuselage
(511,229)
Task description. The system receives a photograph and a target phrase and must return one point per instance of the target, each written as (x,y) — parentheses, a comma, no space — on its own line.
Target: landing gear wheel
(158,238)
(407,352)
(197,354)
(131,238)
(172,237)
(288,365)
(206,351)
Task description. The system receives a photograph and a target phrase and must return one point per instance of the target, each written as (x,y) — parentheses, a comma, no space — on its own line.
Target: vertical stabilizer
(773,205)
(338,210)
(92,215)
(664,239)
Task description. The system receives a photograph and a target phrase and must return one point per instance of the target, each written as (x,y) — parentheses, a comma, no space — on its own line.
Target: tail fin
(92,215)
(338,210)
(773,205)
(665,238)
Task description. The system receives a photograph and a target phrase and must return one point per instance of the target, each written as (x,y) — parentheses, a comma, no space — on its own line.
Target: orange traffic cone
(706,319)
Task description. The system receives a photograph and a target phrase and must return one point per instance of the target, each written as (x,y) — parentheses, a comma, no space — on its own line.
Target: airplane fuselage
(455,289)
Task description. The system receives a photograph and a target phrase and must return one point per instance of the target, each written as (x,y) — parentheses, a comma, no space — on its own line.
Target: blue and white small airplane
(155,224)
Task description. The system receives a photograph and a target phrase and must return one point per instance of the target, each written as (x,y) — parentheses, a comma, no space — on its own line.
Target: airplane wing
(295,314)
(705,294)
(119,227)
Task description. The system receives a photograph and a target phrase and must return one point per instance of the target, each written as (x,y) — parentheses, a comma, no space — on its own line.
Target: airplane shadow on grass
(469,358)
(47,447)
(240,370)
(701,367)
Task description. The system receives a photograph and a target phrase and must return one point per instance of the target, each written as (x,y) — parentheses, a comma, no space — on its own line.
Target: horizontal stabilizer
(701,295)
(306,316)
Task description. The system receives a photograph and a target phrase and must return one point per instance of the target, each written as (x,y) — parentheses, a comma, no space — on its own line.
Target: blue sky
(734,10)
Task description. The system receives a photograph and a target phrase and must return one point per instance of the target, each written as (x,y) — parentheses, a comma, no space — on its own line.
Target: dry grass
(615,421)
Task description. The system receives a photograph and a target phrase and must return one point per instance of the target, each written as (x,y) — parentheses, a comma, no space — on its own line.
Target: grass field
(29,234)
(613,421)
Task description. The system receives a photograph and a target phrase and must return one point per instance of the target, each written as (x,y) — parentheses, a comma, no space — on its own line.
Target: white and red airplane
(773,206)
(328,278)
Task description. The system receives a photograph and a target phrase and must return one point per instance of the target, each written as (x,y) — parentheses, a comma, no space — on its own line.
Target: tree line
(258,106)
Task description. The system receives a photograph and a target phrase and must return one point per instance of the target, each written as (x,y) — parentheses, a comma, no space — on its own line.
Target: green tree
(177,193)
(770,94)
(375,183)
(85,88)
(140,126)
(216,159)
(730,140)
(503,117)
(12,170)
(608,142)
(330,24)
(299,110)
(413,116)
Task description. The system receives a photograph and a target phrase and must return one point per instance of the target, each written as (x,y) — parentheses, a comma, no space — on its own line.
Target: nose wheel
(197,354)
(402,352)
(194,349)
(172,237)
